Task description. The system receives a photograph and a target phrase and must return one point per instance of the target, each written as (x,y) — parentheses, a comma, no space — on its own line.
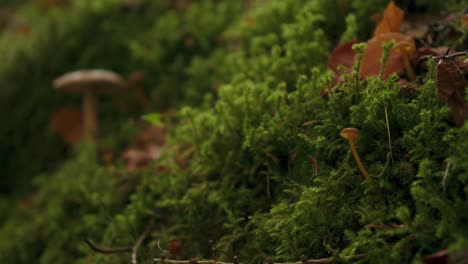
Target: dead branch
(106,250)
(304,261)
(191,261)
(443,57)
(391,226)
(140,240)
(133,249)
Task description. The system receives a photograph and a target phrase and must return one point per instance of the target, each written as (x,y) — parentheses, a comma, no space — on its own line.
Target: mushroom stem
(404,48)
(408,67)
(358,160)
(89,115)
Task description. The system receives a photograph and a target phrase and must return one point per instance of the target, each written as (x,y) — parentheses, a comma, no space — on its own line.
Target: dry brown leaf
(418,25)
(149,148)
(67,121)
(342,55)
(464,20)
(451,87)
(174,247)
(391,21)
(135,158)
(371,66)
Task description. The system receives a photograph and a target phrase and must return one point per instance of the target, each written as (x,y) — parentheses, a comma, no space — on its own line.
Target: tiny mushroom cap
(99,81)
(405,47)
(350,133)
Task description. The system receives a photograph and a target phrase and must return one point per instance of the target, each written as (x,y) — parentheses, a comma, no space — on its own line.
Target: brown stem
(358,160)
(140,240)
(90,115)
(106,250)
(409,68)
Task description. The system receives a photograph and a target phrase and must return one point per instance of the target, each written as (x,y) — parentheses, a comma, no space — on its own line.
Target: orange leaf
(464,20)
(67,121)
(342,55)
(391,21)
(370,65)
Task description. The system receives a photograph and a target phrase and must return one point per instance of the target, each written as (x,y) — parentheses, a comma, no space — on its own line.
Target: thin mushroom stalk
(405,48)
(352,134)
(89,115)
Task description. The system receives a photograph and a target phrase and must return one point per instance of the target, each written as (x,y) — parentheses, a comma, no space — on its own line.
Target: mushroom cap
(405,46)
(350,133)
(99,81)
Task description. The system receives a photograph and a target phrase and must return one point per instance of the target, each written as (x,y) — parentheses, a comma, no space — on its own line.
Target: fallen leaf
(464,20)
(451,88)
(174,247)
(135,158)
(342,55)
(418,25)
(391,20)
(149,148)
(68,123)
(370,65)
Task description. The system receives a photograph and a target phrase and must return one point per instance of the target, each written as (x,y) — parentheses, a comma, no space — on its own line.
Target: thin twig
(389,137)
(443,57)
(192,261)
(140,240)
(447,169)
(307,261)
(106,250)
(160,248)
(392,226)
(133,249)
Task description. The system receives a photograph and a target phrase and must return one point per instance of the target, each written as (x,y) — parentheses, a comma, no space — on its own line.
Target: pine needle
(389,136)
(447,169)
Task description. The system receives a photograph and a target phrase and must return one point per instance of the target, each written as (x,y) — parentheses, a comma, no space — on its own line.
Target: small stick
(392,226)
(140,240)
(106,250)
(447,168)
(307,261)
(389,137)
(443,57)
(160,248)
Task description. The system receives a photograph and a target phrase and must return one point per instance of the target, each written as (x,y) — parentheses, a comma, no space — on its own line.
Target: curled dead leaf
(464,20)
(370,65)
(67,121)
(451,88)
(342,55)
(391,20)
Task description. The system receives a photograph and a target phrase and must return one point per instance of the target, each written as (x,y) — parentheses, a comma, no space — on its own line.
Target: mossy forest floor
(230,142)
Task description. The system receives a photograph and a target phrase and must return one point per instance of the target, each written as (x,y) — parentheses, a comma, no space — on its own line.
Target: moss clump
(261,168)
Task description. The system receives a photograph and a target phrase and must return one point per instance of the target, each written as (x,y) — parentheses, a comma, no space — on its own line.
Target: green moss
(265,171)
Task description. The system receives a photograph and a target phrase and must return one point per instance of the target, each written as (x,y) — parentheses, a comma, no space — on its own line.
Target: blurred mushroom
(90,83)
(406,49)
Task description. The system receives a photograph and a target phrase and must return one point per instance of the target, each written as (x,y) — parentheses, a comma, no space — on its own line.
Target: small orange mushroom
(352,134)
(406,48)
